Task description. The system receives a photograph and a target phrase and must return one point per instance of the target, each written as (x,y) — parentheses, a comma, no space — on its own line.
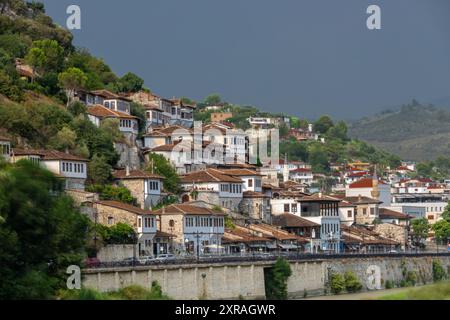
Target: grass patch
(437,291)
(133,292)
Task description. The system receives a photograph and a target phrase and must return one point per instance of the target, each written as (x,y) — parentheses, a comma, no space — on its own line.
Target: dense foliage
(160,165)
(276,280)
(33,212)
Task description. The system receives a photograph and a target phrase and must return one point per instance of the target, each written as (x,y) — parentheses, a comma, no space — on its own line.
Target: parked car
(92,262)
(146,259)
(393,251)
(131,260)
(166,256)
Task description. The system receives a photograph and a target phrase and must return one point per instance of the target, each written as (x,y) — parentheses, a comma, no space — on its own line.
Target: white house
(196,230)
(301,175)
(371,188)
(146,187)
(213,186)
(128,124)
(72,168)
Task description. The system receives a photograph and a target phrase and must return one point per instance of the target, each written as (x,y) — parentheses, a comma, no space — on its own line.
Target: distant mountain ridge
(414,132)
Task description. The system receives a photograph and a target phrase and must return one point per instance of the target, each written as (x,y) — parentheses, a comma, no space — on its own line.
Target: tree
(112,192)
(420,229)
(163,167)
(41,234)
(446,214)
(53,54)
(71,80)
(323,124)
(99,171)
(212,100)
(441,230)
(121,233)
(65,139)
(111,127)
(283,130)
(138,110)
(337,283)
(36,59)
(352,283)
(277,280)
(129,83)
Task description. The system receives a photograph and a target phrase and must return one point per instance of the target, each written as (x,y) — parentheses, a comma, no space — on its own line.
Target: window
(364,211)
(294,207)
(110,220)
(171,223)
(139,222)
(372,211)
(250,183)
(349,214)
(286,207)
(258,183)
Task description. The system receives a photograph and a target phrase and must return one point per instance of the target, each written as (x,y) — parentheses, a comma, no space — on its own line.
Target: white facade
(384,189)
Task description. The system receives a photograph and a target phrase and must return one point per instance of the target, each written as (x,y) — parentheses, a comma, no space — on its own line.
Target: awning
(287,246)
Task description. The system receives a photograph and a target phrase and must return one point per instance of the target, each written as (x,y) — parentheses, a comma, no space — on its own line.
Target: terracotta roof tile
(58,155)
(291,220)
(364,183)
(208,175)
(124,206)
(187,209)
(135,174)
(103,112)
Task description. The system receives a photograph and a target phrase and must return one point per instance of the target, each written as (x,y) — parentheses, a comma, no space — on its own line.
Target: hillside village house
(146,187)
(220,116)
(366,210)
(320,209)
(71,168)
(371,188)
(347,212)
(196,230)
(394,217)
(150,240)
(128,124)
(301,227)
(233,140)
(105,98)
(323,210)
(212,186)
(430,206)
(35,156)
(5,148)
(164,111)
(301,175)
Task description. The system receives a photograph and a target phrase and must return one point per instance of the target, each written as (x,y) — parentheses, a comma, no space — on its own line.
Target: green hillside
(415,132)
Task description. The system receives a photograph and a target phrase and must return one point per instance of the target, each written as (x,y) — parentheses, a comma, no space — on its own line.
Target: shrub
(276,281)
(389,284)
(352,283)
(337,283)
(438,271)
(411,278)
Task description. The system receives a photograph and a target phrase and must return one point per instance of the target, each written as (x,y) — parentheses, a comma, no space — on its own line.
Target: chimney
(127,170)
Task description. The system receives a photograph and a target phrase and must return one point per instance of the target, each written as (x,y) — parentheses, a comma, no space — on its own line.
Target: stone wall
(116,252)
(246,279)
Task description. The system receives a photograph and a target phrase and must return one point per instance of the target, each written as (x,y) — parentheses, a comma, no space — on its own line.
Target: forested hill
(414,132)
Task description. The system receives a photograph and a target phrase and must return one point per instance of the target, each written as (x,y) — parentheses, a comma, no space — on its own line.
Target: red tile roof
(208,175)
(385,213)
(187,209)
(292,221)
(103,112)
(135,174)
(124,206)
(364,183)
(58,155)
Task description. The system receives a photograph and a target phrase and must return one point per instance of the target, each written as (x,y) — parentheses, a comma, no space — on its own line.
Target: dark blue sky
(302,57)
